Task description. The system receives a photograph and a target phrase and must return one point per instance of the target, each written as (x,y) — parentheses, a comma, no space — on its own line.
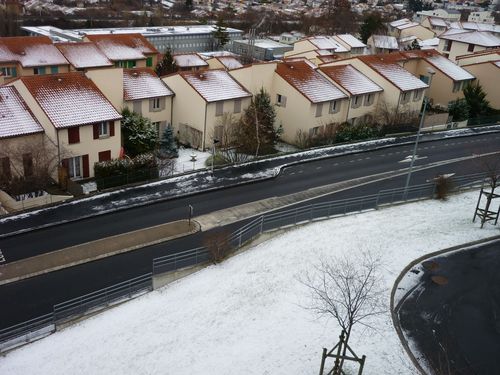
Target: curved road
(456,325)
(36,296)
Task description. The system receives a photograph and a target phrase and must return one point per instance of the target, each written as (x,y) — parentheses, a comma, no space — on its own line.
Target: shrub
(119,172)
(346,132)
(217,245)
(443,187)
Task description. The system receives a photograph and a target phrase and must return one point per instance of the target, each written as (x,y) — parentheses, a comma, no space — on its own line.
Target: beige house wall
(457,49)
(301,46)
(299,114)
(213,63)
(22,72)
(110,82)
(188,107)
(419,31)
(475,59)
(488,76)
(364,111)
(213,120)
(255,77)
(164,116)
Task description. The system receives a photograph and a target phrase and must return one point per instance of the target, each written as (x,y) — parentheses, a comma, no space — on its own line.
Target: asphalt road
(293,179)
(32,297)
(457,325)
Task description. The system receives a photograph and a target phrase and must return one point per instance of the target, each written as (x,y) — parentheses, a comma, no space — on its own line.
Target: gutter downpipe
(205,126)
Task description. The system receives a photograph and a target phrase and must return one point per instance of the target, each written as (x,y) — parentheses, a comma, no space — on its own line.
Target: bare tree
(228,133)
(32,165)
(395,118)
(349,290)
(217,245)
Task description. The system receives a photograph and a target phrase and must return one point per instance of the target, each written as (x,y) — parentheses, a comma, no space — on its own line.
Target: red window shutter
(105,155)
(111,128)
(85,165)
(96,131)
(74,135)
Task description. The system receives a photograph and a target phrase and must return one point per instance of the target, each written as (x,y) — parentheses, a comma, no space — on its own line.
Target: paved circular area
(454,315)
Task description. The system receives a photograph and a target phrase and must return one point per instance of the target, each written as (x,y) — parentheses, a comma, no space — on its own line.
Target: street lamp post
(420,125)
(215,141)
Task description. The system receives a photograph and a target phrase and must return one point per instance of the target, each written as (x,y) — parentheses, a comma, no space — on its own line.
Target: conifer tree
(168,147)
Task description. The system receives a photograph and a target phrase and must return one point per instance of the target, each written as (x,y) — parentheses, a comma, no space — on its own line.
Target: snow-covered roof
(309,82)
(400,22)
(30,51)
(393,72)
(351,40)
(215,85)
(15,117)
(326,43)
(142,83)
(385,42)
(407,25)
(229,62)
(70,99)
(429,43)
(119,47)
(436,21)
(308,62)
(83,55)
(351,79)
(189,60)
(480,26)
(480,38)
(449,68)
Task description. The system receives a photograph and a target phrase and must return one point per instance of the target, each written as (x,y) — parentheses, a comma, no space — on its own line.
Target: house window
(470,48)
(74,135)
(28,165)
(319,109)
(405,97)
(39,71)
(313,132)
(334,106)
(155,104)
(5,172)
(54,69)
(424,78)
(456,86)
(237,106)
(369,99)
(281,100)
(9,71)
(131,64)
(75,167)
(447,45)
(219,108)
(417,95)
(356,101)
(103,129)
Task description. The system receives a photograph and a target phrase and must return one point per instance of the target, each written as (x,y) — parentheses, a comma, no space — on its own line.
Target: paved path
(90,251)
(453,313)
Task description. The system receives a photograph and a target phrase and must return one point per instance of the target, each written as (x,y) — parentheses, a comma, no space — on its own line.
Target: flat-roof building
(262,49)
(196,38)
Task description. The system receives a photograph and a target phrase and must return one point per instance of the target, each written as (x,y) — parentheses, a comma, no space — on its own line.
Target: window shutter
(105,155)
(138,105)
(151,105)
(284,101)
(96,131)
(319,109)
(74,135)
(162,103)
(85,165)
(28,165)
(14,72)
(111,128)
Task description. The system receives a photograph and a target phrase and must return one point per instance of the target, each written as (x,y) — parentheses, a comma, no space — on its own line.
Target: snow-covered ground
(247,315)
(184,162)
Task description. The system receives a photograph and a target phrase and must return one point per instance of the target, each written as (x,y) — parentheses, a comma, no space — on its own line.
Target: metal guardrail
(41,326)
(305,214)
(46,324)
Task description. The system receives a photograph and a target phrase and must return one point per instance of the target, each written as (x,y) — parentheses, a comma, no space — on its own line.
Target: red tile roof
(351,79)
(309,82)
(70,99)
(143,83)
(30,51)
(83,55)
(118,47)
